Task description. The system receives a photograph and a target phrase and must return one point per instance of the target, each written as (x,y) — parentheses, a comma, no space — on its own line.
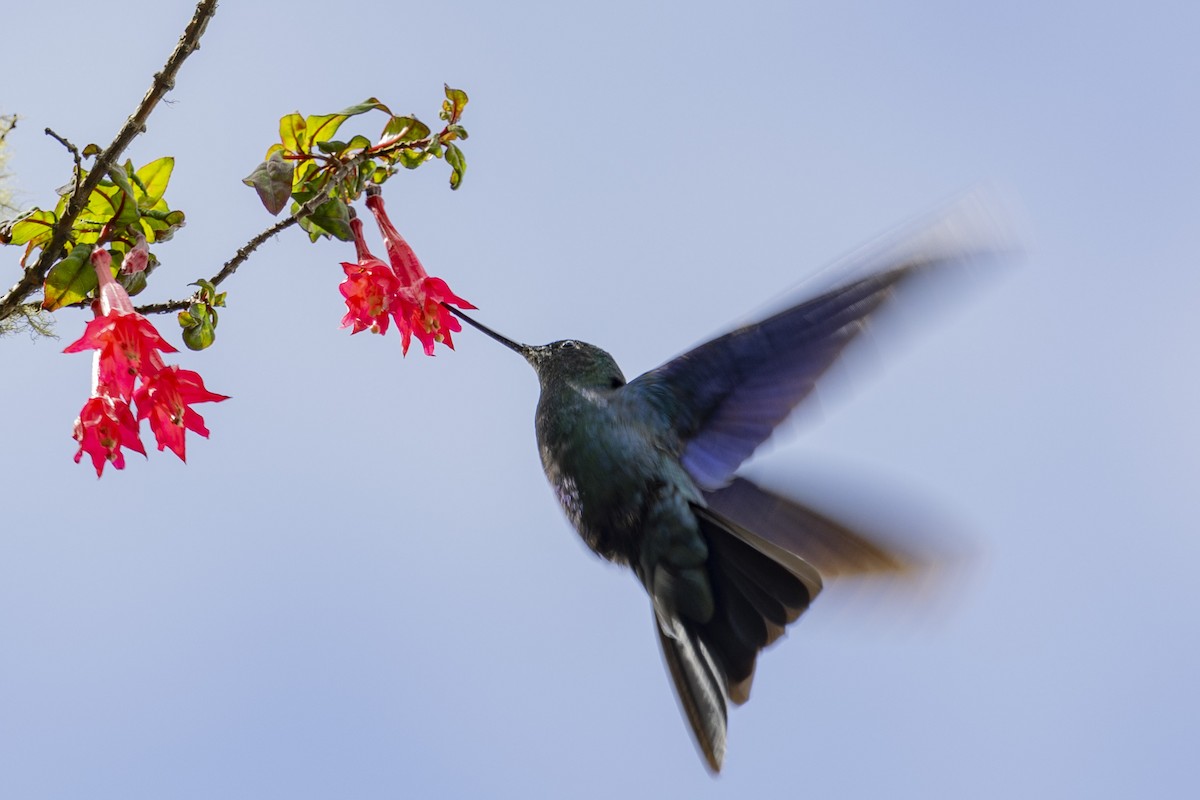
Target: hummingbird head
(576,362)
(567,360)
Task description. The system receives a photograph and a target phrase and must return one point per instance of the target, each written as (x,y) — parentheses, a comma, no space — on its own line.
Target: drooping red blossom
(126,340)
(103,427)
(429,320)
(419,311)
(165,397)
(370,288)
(128,349)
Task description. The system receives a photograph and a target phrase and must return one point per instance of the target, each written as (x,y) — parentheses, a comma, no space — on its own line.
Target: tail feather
(736,631)
(762,572)
(773,612)
(763,579)
(755,596)
(699,685)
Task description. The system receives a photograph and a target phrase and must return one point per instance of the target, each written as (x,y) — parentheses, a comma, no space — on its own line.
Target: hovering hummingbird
(645,471)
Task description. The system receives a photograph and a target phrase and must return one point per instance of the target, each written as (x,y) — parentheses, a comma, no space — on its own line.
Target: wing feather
(725,397)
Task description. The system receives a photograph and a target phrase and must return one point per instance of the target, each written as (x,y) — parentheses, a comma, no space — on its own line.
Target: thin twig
(163,82)
(74,154)
(249,247)
(229,268)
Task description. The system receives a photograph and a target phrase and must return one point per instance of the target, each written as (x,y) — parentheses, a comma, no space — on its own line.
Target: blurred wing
(726,396)
(792,533)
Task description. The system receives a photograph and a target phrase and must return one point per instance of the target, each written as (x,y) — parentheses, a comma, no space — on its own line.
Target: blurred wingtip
(878,549)
(982,223)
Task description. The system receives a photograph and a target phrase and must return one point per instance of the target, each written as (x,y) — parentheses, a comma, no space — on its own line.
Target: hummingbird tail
(699,685)
(756,595)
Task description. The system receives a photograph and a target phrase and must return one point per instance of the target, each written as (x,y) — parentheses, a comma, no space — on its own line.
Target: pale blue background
(361,587)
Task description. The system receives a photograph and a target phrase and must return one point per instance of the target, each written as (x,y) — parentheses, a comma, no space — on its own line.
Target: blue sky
(361,586)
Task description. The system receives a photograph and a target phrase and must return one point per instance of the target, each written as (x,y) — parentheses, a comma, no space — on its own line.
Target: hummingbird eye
(569,344)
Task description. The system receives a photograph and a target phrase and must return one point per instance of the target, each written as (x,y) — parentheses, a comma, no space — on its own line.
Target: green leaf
(305,177)
(272,179)
(109,204)
(292,133)
(35,228)
(370,104)
(358,142)
(331,148)
(90,150)
(333,218)
(306,225)
(134,284)
(457,162)
(411,159)
(365,170)
(452,107)
(152,181)
(405,129)
(120,177)
(70,280)
(322,128)
(311,181)
(160,226)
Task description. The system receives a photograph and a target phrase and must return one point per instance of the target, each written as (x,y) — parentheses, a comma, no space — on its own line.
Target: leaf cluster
(130,202)
(308,162)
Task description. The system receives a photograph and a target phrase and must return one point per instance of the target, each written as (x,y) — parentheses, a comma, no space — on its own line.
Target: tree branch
(163,82)
(232,264)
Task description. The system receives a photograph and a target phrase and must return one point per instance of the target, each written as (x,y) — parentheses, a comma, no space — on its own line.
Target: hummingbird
(645,470)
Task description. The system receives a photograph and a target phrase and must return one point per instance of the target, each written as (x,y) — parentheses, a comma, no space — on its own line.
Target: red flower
(427,318)
(419,310)
(370,288)
(105,426)
(126,340)
(165,398)
(128,349)
(404,260)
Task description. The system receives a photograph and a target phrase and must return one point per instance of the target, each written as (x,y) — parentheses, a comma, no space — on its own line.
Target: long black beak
(522,349)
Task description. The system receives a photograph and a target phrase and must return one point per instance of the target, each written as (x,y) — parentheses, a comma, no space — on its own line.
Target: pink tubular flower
(105,426)
(419,311)
(370,288)
(126,340)
(165,397)
(404,259)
